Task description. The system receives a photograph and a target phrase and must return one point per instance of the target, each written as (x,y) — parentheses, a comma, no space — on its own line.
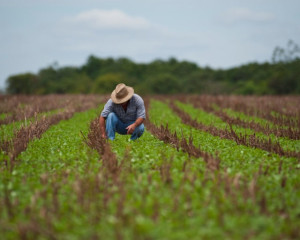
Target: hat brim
(122,100)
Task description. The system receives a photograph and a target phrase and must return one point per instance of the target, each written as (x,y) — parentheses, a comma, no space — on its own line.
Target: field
(207,167)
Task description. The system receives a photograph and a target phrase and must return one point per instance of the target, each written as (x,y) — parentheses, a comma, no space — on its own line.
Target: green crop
(4,115)
(7,130)
(234,156)
(60,188)
(211,119)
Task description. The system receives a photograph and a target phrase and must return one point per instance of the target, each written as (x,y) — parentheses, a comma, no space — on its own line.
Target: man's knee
(140,129)
(111,121)
(138,132)
(112,116)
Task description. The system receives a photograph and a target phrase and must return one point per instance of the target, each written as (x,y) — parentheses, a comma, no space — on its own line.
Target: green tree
(107,82)
(164,84)
(47,80)
(22,84)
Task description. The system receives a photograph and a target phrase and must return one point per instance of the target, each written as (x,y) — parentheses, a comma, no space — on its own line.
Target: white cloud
(244,14)
(108,19)
(108,32)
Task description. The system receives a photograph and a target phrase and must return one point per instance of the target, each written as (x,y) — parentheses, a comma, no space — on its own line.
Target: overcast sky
(217,33)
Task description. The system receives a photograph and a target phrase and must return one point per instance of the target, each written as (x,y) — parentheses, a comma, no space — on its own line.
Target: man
(123,113)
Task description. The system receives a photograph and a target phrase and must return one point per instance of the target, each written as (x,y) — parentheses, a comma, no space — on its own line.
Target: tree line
(100,75)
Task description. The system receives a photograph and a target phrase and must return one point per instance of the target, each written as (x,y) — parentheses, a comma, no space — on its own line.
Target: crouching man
(123,113)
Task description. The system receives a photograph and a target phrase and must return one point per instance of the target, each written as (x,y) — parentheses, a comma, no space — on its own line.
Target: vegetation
(99,75)
(189,176)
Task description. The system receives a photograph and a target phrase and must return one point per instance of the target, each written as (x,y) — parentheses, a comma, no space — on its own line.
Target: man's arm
(102,127)
(131,128)
(108,108)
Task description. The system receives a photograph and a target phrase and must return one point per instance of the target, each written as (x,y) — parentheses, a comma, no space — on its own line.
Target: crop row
(237,158)
(209,143)
(281,111)
(40,186)
(242,120)
(7,131)
(17,108)
(162,133)
(215,126)
(11,147)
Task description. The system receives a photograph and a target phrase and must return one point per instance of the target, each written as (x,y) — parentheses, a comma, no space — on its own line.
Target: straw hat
(122,93)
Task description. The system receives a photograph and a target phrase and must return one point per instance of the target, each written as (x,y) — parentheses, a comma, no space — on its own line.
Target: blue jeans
(114,124)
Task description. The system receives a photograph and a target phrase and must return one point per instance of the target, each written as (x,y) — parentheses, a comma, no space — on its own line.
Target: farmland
(207,167)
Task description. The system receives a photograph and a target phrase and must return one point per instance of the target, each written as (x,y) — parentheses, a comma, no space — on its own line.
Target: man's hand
(130,128)
(104,135)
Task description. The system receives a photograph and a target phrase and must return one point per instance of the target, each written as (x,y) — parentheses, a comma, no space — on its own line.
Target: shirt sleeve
(108,108)
(141,112)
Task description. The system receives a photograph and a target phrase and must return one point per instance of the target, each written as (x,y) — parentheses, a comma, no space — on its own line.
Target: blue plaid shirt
(135,109)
